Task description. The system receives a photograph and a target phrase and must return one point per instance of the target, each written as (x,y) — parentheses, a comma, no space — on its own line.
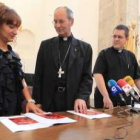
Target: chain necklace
(60,72)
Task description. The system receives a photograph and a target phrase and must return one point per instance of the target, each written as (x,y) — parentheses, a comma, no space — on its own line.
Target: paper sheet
(31,121)
(92,114)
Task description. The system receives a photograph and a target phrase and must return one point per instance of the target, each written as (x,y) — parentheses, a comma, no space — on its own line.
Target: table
(84,129)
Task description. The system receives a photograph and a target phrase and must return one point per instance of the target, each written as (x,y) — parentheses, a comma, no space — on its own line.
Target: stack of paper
(31,121)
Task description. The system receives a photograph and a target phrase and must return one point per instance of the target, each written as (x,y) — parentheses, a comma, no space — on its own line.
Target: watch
(31,101)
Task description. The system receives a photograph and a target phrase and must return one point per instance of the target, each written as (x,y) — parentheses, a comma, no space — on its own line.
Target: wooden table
(84,129)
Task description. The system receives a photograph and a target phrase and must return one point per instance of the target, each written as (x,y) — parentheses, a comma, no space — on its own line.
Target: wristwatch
(31,101)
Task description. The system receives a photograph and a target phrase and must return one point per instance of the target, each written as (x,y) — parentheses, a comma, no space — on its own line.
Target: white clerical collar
(65,38)
(119,51)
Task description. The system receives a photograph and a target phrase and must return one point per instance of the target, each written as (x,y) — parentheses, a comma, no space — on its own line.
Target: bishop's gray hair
(68,10)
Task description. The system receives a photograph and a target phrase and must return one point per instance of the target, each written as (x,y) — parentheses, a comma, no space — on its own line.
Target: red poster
(23,120)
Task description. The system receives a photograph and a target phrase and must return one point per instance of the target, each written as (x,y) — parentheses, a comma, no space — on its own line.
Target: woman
(12,83)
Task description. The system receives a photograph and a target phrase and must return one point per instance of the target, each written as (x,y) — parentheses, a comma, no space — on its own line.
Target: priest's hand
(80,106)
(107,102)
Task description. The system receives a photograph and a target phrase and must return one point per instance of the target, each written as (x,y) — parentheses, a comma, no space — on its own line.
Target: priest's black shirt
(114,64)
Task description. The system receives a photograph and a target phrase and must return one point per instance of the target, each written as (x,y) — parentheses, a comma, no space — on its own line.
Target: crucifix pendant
(60,72)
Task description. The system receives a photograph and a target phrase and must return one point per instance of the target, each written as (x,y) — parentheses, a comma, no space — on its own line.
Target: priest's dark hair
(123,27)
(69,11)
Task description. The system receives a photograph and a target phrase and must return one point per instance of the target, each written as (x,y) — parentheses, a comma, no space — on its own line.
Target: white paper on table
(46,121)
(135,106)
(16,127)
(31,121)
(1,118)
(97,115)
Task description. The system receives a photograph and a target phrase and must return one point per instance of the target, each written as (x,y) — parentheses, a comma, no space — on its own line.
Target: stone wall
(112,13)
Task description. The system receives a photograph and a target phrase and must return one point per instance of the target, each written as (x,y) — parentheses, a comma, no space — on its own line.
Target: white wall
(138,27)
(37,17)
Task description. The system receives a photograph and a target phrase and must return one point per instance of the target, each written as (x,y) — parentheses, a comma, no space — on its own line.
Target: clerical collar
(65,38)
(119,51)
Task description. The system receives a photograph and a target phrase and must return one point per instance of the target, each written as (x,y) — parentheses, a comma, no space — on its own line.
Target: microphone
(127,89)
(116,90)
(130,81)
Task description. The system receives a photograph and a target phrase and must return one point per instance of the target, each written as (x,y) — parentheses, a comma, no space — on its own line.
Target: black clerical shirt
(114,64)
(59,100)
(63,48)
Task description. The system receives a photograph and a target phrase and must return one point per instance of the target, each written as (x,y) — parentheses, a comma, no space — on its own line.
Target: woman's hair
(9,16)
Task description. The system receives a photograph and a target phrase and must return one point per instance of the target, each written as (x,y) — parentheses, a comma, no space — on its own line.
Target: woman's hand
(32,107)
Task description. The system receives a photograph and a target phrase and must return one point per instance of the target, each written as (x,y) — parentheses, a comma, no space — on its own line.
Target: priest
(63,79)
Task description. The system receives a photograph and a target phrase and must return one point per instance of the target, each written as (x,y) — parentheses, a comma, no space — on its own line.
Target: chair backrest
(30,89)
(29,78)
